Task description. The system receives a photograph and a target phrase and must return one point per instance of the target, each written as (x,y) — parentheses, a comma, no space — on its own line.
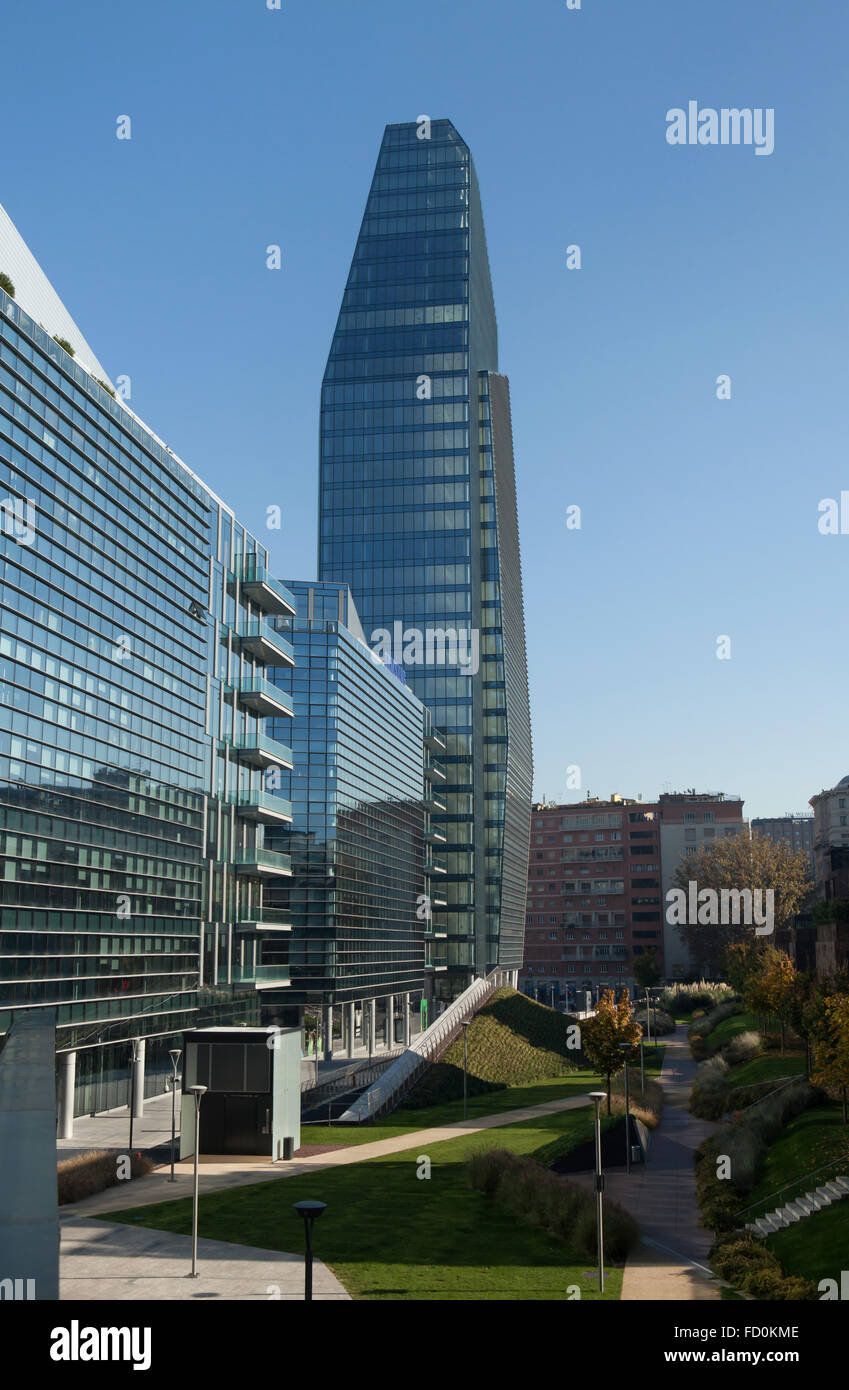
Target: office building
(418,515)
(134,637)
(365,901)
(797,832)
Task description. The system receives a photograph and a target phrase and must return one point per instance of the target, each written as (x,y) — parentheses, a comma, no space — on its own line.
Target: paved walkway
(100,1260)
(670,1261)
(225,1172)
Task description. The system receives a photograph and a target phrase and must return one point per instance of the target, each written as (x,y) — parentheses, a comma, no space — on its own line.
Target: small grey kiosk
(252,1103)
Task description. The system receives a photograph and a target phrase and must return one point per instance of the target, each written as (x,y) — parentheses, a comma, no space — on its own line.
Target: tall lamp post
(465,1027)
(134,1056)
(198,1092)
(626,1048)
(175,1053)
(648,1015)
(597,1097)
(310,1211)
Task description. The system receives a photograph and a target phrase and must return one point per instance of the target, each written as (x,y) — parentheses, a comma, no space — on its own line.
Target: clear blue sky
(253,127)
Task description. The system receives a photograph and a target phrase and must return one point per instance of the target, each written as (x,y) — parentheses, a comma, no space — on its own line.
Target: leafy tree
(741,861)
(6,284)
(601,1035)
(740,963)
(831,1047)
(647,970)
(771,987)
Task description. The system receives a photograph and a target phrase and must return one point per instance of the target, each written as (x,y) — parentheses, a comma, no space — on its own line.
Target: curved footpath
(670,1261)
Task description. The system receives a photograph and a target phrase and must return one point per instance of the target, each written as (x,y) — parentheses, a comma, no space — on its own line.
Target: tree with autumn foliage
(741,861)
(831,1047)
(602,1035)
(770,988)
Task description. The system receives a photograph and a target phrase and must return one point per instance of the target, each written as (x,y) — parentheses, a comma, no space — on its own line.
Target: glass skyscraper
(418,513)
(135,629)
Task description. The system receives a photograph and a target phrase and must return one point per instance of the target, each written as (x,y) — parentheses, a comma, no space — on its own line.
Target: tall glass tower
(418,514)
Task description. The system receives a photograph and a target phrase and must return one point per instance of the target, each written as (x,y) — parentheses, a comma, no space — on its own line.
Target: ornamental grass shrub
(83,1175)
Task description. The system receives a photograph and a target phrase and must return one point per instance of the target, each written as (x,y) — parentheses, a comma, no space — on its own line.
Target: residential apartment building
(598,876)
(135,636)
(797,832)
(418,515)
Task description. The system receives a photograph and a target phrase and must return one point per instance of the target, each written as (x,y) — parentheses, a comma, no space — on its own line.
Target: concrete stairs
(800,1207)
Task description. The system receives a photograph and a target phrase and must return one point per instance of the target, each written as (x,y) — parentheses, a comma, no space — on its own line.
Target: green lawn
(809,1142)
(729,1028)
(390,1235)
(767,1068)
(491,1103)
(816,1248)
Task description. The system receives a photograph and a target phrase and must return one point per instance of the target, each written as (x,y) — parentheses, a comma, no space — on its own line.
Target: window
(689,851)
(689,834)
(708,817)
(689,815)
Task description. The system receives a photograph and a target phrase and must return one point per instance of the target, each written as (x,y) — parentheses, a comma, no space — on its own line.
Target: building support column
(327,1029)
(407,1020)
(69,1081)
(138,1080)
(349,1010)
(372,1026)
(390,1021)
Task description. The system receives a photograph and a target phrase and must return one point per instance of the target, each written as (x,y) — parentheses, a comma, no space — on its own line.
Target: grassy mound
(511,1041)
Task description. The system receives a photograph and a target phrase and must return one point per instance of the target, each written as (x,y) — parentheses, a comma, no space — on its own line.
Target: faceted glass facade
(418,512)
(360,841)
(134,632)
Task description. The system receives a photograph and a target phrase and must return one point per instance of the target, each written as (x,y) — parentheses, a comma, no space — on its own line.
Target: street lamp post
(648,1015)
(642,1069)
(198,1092)
(597,1097)
(626,1048)
(175,1054)
(465,1027)
(133,1059)
(310,1211)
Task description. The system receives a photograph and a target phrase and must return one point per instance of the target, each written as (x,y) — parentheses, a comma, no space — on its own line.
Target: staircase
(801,1207)
(383,1096)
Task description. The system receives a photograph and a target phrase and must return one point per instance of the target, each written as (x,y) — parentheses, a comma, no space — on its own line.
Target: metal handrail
(415,1060)
(795,1183)
(761,1099)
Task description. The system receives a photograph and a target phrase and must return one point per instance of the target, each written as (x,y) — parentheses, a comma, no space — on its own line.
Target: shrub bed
(684,999)
(744,1143)
(535,1195)
(86,1174)
(747,1264)
(661,1022)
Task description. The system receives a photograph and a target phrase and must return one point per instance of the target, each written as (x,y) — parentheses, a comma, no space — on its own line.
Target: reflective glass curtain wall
(409,511)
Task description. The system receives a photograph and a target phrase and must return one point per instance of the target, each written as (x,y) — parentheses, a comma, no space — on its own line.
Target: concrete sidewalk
(101,1260)
(671,1261)
(216,1174)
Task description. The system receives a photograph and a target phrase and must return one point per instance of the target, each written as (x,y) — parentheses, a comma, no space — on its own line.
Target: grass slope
(389,1234)
(512,1040)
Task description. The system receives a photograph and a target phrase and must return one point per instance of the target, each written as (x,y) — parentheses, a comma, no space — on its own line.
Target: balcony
(433,803)
(262,976)
(265,862)
(264,919)
(434,771)
(434,836)
(264,697)
(258,750)
(434,865)
(435,742)
(260,640)
(263,807)
(260,586)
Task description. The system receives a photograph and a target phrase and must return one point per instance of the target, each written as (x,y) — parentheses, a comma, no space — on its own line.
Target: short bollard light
(310,1211)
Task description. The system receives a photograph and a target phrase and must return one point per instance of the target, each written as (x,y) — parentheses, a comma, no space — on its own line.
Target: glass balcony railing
(433,802)
(260,586)
(264,697)
(261,640)
(263,861)
(263,807)
(434,864)
(258,750)
(434,771)
(263,919)
(261,976)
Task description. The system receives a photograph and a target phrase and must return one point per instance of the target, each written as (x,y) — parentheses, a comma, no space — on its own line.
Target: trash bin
(288,1146)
